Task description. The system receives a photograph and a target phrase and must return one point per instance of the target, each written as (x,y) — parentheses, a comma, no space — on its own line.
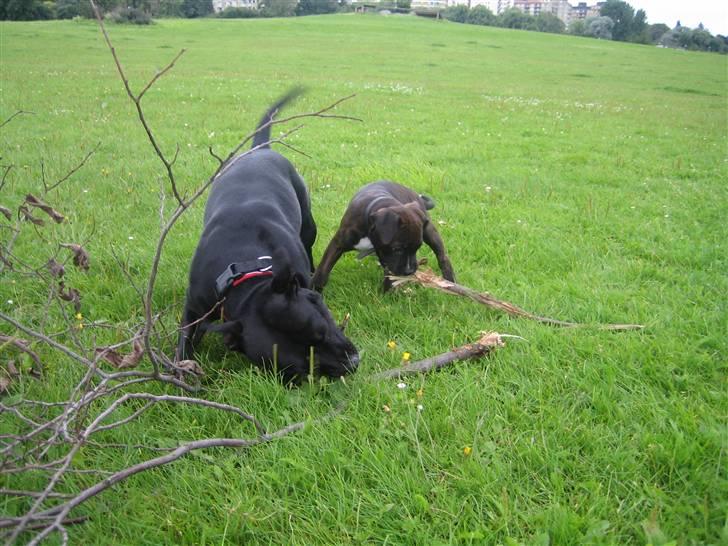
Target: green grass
(581,179)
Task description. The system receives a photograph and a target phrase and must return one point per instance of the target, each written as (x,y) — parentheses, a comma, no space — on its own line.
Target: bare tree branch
(18,113)
(5,175)
(23,345)
(160,74)
(69,174)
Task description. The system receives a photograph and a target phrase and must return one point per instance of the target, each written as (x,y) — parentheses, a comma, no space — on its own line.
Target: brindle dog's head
(396,235)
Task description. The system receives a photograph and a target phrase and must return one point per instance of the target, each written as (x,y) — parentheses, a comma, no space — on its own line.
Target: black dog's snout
(352,362)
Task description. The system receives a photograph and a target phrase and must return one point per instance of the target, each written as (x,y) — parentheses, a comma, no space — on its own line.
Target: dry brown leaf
(80,256)
(33,201)
(6,212)
(119,361)
(12,369)
(110,355)
(69,294)
(4,382)
(189,366)
(56,269)
(25,211)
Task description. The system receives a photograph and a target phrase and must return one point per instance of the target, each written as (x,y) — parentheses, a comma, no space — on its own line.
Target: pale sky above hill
(712,13)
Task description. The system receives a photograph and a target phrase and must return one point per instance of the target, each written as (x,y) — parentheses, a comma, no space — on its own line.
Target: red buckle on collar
(251,275)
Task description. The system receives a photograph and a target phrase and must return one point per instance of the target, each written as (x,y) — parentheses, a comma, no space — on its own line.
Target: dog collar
(239,272)
(373,202)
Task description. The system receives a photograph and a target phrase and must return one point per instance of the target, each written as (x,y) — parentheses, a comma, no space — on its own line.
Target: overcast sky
(712,13)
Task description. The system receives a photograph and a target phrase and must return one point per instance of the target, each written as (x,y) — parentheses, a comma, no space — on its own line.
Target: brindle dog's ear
(386,223)
(415,207)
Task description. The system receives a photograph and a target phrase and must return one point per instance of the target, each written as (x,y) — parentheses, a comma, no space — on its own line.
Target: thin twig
(5,174)
(160,74)
(22,345)
(71,172)
(19,112)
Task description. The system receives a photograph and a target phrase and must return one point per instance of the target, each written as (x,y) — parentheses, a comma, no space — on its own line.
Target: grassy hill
(581,179)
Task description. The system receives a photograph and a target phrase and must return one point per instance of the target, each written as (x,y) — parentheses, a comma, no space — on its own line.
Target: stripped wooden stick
(429,279)
(488,342)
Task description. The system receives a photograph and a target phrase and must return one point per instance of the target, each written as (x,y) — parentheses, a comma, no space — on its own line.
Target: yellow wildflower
(391,344)
(467,450)
(406,356)
(79,316)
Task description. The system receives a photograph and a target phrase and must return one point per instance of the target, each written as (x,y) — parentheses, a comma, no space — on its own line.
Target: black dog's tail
(429,202)
(262,132)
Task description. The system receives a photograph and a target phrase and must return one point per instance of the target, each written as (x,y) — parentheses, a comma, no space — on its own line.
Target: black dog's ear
(281,271)
(282,279)
(301,281)
(285,281)
(232,333)
(386,223)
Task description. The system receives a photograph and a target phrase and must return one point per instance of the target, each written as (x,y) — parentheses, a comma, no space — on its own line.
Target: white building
(496,6)
(560,8)
(430,4)
(219,5)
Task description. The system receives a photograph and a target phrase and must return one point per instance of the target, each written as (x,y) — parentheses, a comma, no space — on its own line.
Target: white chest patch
(364,244)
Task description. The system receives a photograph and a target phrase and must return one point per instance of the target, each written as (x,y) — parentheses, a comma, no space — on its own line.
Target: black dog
(390,220)
(252,265)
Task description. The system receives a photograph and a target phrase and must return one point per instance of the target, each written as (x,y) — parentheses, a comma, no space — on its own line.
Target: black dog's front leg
(188,334)
(434,241)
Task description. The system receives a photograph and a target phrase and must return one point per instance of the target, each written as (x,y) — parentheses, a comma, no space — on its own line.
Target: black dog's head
(396,235)
(282,324)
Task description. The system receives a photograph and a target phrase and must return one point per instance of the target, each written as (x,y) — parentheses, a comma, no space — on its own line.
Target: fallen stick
(430,280)
(488,342)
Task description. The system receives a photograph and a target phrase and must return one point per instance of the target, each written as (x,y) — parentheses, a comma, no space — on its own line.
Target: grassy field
(581,179)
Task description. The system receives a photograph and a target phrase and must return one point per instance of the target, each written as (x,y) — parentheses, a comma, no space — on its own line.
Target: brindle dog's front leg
(328,261)
(434,241)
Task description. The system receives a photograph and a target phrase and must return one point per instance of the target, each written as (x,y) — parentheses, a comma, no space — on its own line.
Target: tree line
(617,20)
(142,11)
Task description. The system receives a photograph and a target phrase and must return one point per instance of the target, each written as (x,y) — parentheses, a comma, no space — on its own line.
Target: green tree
(238,13)
(480,15)
(639,31)
(68,9)
(599,27)
(657,31)
(166,8)
(24,10)
(316,7)
(577,27)
(548,22)
(457,14)
(196,8)
(278,8)
(622,15)
(514,18)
